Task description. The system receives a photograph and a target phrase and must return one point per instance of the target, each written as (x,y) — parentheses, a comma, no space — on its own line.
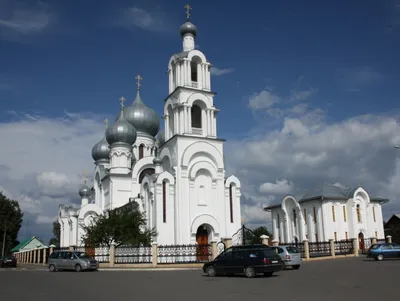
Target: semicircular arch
(205,219)
(207,149)
(202,165)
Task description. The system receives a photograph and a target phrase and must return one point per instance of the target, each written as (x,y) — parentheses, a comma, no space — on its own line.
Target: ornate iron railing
(133,254)
(62,249)
(381,240)
(102,254)
(319,249)
(183,254)
(344,247)
(80,249)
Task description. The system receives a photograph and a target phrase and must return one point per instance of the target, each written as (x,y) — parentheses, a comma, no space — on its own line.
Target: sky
(308,92)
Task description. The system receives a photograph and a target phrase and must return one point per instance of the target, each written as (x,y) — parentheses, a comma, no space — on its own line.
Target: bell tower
(189,107)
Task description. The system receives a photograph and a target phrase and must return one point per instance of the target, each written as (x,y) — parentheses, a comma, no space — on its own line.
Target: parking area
(341,279)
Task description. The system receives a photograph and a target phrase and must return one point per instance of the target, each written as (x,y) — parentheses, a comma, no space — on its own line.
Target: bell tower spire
(188,31)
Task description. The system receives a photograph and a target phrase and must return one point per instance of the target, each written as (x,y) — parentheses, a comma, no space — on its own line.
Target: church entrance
(202,243)
(361,243)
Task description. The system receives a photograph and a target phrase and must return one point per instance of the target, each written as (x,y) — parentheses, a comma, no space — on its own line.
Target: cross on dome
(139,78)
(188,8)
(85,173)
(122,99)
(106,122)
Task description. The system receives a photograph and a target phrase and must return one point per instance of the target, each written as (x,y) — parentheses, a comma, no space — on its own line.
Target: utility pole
(4,239)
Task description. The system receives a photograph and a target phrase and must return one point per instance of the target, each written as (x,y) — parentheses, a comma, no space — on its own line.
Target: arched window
(333,214)
(141,151)
(196,116)
(193,69)
(231,202)
(358,213)
(164,201)
(373,214)
(294,217)
(147,171)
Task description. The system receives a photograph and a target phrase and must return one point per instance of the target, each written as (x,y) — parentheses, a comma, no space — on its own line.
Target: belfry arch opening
(196,116)
(193,68)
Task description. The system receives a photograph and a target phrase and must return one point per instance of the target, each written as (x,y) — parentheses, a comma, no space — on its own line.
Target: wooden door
(361,244)
(202,245)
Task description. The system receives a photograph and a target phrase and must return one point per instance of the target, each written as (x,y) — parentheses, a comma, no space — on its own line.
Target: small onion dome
(157,161)
(84,192)
(188,27)
(101,150)
(161,137)
(144,119)
(121,131)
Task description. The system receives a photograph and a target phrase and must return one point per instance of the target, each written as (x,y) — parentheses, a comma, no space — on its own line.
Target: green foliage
(125,225)
(253,236)
(55,240)
(10,221)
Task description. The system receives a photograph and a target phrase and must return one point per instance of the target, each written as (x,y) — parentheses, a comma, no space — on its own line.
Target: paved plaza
(350,279)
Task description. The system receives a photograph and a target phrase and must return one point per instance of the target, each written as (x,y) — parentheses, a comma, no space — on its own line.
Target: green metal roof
(21,245)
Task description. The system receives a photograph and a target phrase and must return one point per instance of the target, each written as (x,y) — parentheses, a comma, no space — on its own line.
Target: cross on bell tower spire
(188,8)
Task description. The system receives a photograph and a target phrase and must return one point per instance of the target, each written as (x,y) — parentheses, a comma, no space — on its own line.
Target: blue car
(384,251)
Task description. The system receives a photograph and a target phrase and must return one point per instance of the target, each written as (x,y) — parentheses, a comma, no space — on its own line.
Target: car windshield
(82,255)
(375,247)
(292,250)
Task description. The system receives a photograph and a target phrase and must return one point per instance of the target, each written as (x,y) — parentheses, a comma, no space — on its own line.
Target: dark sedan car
(250,260)
(384,251)
(8,261)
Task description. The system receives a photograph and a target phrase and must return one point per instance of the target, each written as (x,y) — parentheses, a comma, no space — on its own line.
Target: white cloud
(42,161)
(263,100)
(217,72)
(279,187)
(20,18)
(155,20)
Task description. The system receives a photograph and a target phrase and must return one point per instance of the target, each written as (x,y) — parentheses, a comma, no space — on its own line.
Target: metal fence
(183,254)
(299,246)
(102,254)
(133,254)
(344,247)
(319,249)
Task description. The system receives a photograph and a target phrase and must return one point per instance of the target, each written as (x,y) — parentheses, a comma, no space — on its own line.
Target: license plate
(274,261)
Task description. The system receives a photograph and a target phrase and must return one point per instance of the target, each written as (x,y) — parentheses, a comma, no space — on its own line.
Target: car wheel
(268,274)
(250,272)
(211,272)
(296,267)
(78,268)
(379,257)
(52,268)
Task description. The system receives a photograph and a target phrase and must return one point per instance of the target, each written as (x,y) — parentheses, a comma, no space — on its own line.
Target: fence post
(214,251)
(355,246)
(332,247)
(264,239)
(72,248)
(374,240)
(112,254)
(389,239)
(306,249)
(227,242)
(154,258)
(44,256)
(51,249)
(275,242)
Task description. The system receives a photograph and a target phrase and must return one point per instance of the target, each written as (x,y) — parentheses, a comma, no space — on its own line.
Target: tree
(253,236)
(55,240)
(10,222)
(124,225)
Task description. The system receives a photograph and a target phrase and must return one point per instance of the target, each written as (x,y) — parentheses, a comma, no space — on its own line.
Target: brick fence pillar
(306,249)
(264,239)
(389,239)
(332,247)
(355,246)
(154,247)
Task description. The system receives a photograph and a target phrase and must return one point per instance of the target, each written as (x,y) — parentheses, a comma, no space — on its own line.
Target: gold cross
(106,122)
(188,8)
(139,78)
(85,173)
(122,99)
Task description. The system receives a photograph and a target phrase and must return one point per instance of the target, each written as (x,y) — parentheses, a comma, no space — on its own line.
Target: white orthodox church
(328,212)
(177,175)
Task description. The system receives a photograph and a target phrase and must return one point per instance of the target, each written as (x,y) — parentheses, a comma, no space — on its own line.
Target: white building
(178,175)
(328,212)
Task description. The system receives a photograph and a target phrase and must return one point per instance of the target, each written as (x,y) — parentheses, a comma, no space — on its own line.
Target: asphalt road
(349,279)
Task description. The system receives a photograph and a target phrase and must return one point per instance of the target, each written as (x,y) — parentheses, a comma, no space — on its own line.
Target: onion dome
(101,151)
(121,131)
(188,27)
(144,119)
(84,192)
(161,137)
(157,161)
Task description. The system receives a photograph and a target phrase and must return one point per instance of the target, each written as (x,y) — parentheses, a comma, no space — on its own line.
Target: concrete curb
(147,269)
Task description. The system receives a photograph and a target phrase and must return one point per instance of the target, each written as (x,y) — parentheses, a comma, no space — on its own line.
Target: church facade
(328,212)
(176,175)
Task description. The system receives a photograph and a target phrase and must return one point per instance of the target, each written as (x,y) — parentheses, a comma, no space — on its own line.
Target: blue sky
(66,64)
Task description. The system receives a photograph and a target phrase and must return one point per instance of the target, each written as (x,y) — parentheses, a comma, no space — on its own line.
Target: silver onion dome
(84,191)
(188,27)
(144,119)
(101,151)
(121,131)
(161,137)
(157,161)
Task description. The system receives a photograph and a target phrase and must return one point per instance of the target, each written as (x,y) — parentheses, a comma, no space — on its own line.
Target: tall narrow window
(316,237)
(376,234)
(373,214)
(231,202)
(358,213)
(193,69)
(196,116)
(305,216)
(335,234)
(315,215)
(279,222)
(294,217)
(333,214)
(164,201)
(344,214)
(347,235)
(141,151)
